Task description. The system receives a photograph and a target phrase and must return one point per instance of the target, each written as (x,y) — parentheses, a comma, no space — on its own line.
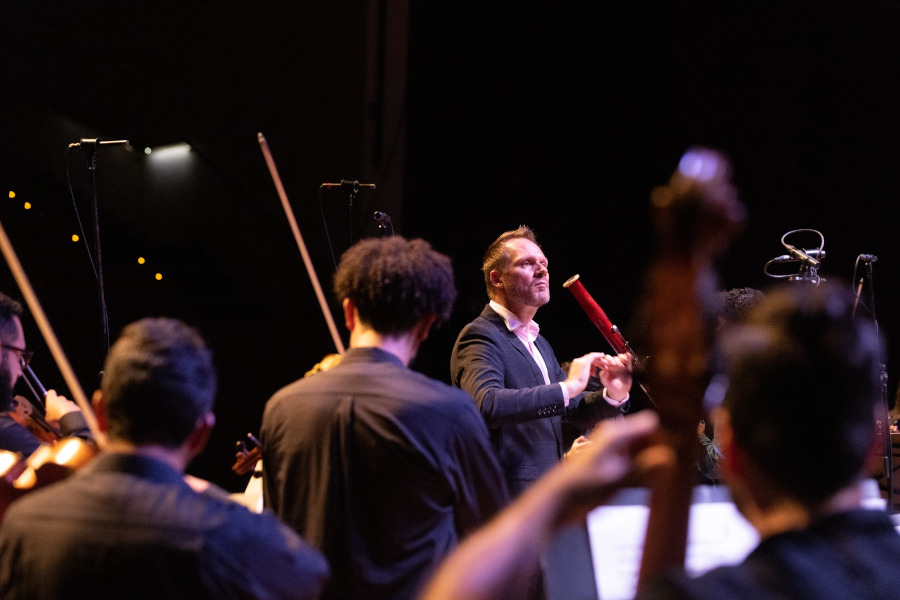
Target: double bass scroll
(695,215)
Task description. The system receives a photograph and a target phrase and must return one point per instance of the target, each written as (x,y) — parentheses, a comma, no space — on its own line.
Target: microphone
(384,221)
(349,185)
(810,257)
(90,142)
(869,258)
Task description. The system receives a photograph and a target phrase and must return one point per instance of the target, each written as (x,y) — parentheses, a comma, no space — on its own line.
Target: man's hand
(580,372)
(615,374)
(580,444)
(57,406)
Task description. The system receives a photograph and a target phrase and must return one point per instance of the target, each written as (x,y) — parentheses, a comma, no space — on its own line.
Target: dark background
(471,118)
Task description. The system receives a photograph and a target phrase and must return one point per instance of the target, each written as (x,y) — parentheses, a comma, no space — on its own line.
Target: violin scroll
(247,457)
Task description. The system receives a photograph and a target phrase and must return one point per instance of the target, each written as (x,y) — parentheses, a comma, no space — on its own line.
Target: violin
(27,415)
(247,457)
(50,463)
(32,414)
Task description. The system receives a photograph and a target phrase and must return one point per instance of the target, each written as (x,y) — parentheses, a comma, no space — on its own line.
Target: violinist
(20,432)
(128,525)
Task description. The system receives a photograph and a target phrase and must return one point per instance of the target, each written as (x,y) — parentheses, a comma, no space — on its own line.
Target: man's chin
(538,300)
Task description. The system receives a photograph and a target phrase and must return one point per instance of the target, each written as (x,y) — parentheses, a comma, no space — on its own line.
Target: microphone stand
(351,196)
(884,412)
(90,146)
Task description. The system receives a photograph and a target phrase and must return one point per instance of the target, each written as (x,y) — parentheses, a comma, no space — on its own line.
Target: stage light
(75,237)
(141,260)
(12,194)
(159,276)
(168,152)
(27,205)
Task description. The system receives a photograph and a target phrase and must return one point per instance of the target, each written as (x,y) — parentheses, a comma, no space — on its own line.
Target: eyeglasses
(25,355)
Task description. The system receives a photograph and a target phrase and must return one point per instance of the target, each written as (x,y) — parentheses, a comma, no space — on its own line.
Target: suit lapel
(491,315)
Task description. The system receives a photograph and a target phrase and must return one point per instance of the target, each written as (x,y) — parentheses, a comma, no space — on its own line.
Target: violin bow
(273,170)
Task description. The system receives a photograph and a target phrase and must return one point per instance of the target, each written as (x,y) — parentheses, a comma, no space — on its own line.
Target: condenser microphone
(384,222)
(811,257)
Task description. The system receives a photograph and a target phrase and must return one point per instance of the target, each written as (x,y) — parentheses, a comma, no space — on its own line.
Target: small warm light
(27,205)
(67,450)
(12,194)
(7,460)
(159,276)
(141,260)
(75,237)
(148,150)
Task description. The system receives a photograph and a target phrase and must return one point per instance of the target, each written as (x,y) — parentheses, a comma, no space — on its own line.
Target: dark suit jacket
(524,415)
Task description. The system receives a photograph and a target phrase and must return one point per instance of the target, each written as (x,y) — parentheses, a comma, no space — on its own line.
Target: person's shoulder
(272,556)
(445,404)
(486,324)
(238,526)
(37,503)
(296,389)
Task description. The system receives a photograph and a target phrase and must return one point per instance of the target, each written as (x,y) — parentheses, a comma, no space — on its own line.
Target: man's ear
(198,438)
(496,279)
(349,314)
(99,406)
(423,327)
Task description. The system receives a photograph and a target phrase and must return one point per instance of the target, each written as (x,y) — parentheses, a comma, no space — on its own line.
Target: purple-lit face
(526,279)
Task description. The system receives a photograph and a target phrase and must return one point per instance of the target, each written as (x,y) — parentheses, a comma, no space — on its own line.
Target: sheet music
(717,535)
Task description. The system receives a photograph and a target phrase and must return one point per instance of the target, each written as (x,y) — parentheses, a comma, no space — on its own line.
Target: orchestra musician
(16,434)
(510,370)
(128,525)
(381,468)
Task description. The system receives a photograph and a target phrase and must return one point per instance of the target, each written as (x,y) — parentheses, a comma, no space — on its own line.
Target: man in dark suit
(380,467)
(511,372)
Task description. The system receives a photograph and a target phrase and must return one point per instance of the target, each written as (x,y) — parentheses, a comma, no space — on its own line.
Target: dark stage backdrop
(471,117)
